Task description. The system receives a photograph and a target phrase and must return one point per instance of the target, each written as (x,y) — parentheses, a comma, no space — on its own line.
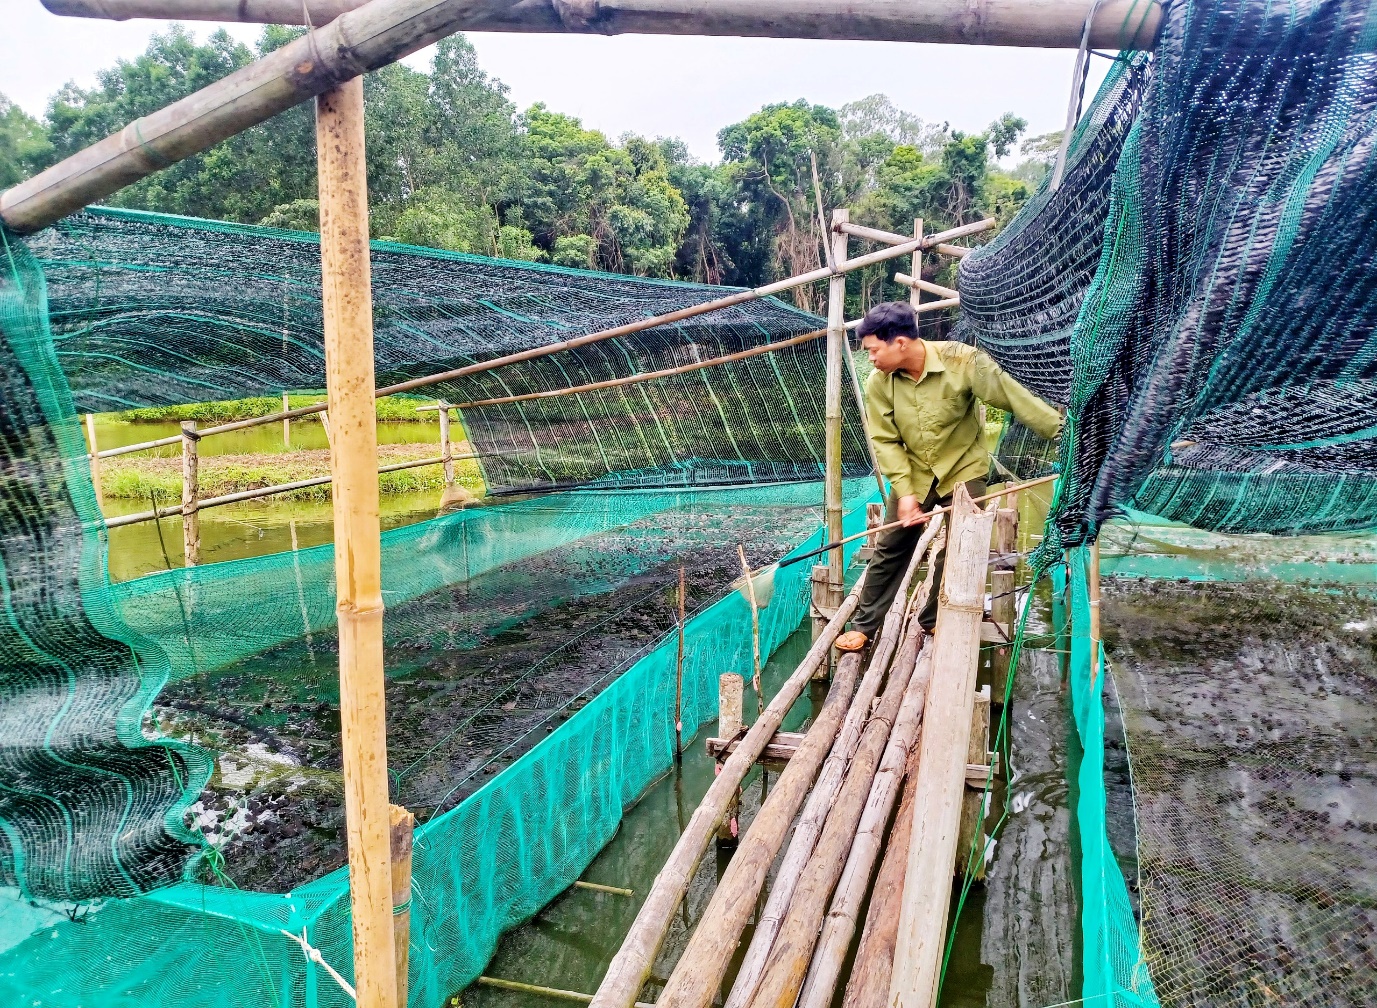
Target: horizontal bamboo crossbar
(549,992)
(243,495)
(931,306)
(890,238)
(919,283)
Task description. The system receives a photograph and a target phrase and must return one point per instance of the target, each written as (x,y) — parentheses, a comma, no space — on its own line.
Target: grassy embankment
(140,476)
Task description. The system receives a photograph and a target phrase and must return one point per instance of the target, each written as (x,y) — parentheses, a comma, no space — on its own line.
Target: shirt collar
(932,363)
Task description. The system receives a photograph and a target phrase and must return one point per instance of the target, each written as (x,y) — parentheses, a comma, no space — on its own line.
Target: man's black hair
(888,321)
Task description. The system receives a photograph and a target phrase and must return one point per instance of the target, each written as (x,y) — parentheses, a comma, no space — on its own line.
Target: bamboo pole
(844,913)
(865,421)
(829,782)
(1093,579)
(633,961)
(942,759)
(787,963)
(348,316)
(755,628)
(679,674)
(959,251)
(917,283)
(932,306)
(730,690)
(243,495)
(286,422)
(403,828)
(836,348)
(970,839)
(94,455)
(550,992)
(599,887)
(446,451)
(191,523)
(1003,581)
(698,974)
(870,972)
(914,295)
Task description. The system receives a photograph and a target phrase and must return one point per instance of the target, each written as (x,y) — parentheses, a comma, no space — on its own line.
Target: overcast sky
(652,85)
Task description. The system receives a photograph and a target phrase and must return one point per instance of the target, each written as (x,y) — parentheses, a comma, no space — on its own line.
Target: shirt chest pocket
(942,409)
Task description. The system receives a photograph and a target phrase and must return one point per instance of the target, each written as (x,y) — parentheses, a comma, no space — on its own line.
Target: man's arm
(993,385)
(884,435)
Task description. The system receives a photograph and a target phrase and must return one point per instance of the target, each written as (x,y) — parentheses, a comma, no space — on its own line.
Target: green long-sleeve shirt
(928,431)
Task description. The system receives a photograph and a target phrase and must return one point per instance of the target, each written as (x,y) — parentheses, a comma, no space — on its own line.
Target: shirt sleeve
(884,435)
(993,385)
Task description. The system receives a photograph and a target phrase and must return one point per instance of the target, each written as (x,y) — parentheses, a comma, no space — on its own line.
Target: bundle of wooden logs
(869,748)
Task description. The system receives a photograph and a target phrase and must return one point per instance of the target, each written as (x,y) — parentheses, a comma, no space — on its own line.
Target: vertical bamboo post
(679,673)
(942,758)
(1003,579)
(191,522)
(446,452)
(1093,579)
(346,295)
(94,455)
(731,689)
(286,422)
(403,827)
(755,629)
(916,270)
(836,346)
(820,586)
(973,802)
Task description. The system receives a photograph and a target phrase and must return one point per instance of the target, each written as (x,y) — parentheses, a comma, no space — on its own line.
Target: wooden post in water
(1003,578)
(191,522)
(94,455)
(403,827)
(446,452)
(836,347)
(346,295)
(973,802)
(941,771)
(730,694)
(286,423)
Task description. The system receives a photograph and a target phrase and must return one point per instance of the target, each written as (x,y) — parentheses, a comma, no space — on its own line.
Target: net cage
(1198,292)
(171,820)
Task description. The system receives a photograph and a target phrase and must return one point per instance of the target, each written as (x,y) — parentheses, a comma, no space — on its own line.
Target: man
(924,422)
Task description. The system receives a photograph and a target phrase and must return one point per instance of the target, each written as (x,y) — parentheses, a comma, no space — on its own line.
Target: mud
(477,673)
(1250,715)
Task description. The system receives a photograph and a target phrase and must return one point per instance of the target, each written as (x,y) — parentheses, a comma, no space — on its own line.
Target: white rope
(1073,106)
(312,953)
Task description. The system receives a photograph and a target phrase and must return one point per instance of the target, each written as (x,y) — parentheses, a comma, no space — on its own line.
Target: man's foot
(852,640)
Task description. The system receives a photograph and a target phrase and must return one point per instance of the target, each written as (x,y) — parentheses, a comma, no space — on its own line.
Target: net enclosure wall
(172,808)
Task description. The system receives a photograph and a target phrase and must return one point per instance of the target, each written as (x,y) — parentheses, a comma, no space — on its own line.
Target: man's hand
(909,509)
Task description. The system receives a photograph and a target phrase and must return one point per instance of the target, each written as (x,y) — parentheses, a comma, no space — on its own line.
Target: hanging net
(171,812)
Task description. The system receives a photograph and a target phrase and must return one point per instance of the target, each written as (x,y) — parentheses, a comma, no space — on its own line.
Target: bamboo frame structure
(401,835)
(446,449)
(346,291)
(914,296)
(191,525)
(837,347)
(93,455)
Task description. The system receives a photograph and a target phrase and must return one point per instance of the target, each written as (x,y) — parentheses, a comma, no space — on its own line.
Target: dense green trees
(453,164)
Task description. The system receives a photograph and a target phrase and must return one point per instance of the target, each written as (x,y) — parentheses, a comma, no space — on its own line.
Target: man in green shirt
(924,418)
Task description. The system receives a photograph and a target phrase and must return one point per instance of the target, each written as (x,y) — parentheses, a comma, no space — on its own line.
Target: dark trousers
(893,552)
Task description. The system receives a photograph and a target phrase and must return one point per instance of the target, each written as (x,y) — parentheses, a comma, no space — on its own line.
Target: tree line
(453,164)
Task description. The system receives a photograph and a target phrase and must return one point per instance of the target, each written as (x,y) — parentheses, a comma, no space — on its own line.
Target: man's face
(886,356)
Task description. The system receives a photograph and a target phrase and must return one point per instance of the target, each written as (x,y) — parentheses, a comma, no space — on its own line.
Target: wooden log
(915,295)
(787,963)
(191,522)
(94,455)
(446,451)
(403,828)
(347,301)
(730,691)
(810,824)
(868,984)
(842,917)
(818,588)
(1003,603)
(781,748)
(698,974)
(1117,24)
(286,422)
(633,961)
(917,283)
(832,413)
(942,760)
(970,840)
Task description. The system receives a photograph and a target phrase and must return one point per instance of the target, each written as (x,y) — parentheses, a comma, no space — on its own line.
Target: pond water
(306,432)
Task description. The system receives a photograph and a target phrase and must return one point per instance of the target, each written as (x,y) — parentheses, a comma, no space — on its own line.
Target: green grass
(390,409)
(134,478)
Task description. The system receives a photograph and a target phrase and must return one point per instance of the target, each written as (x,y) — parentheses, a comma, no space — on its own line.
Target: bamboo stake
(970,839)
(551,992)
(755,629)
(842,917)
(829,782)
(1003,580)
(942,759)
(191,523)
(914,295)
(679,675)
(787,962)
(445,449)
(874,963)
(599,887)
(286,423)
(348,317)
(729,713)
(633,961)
(698,974)
(403,827)
(1093,579)
(836,348)
(94,456)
